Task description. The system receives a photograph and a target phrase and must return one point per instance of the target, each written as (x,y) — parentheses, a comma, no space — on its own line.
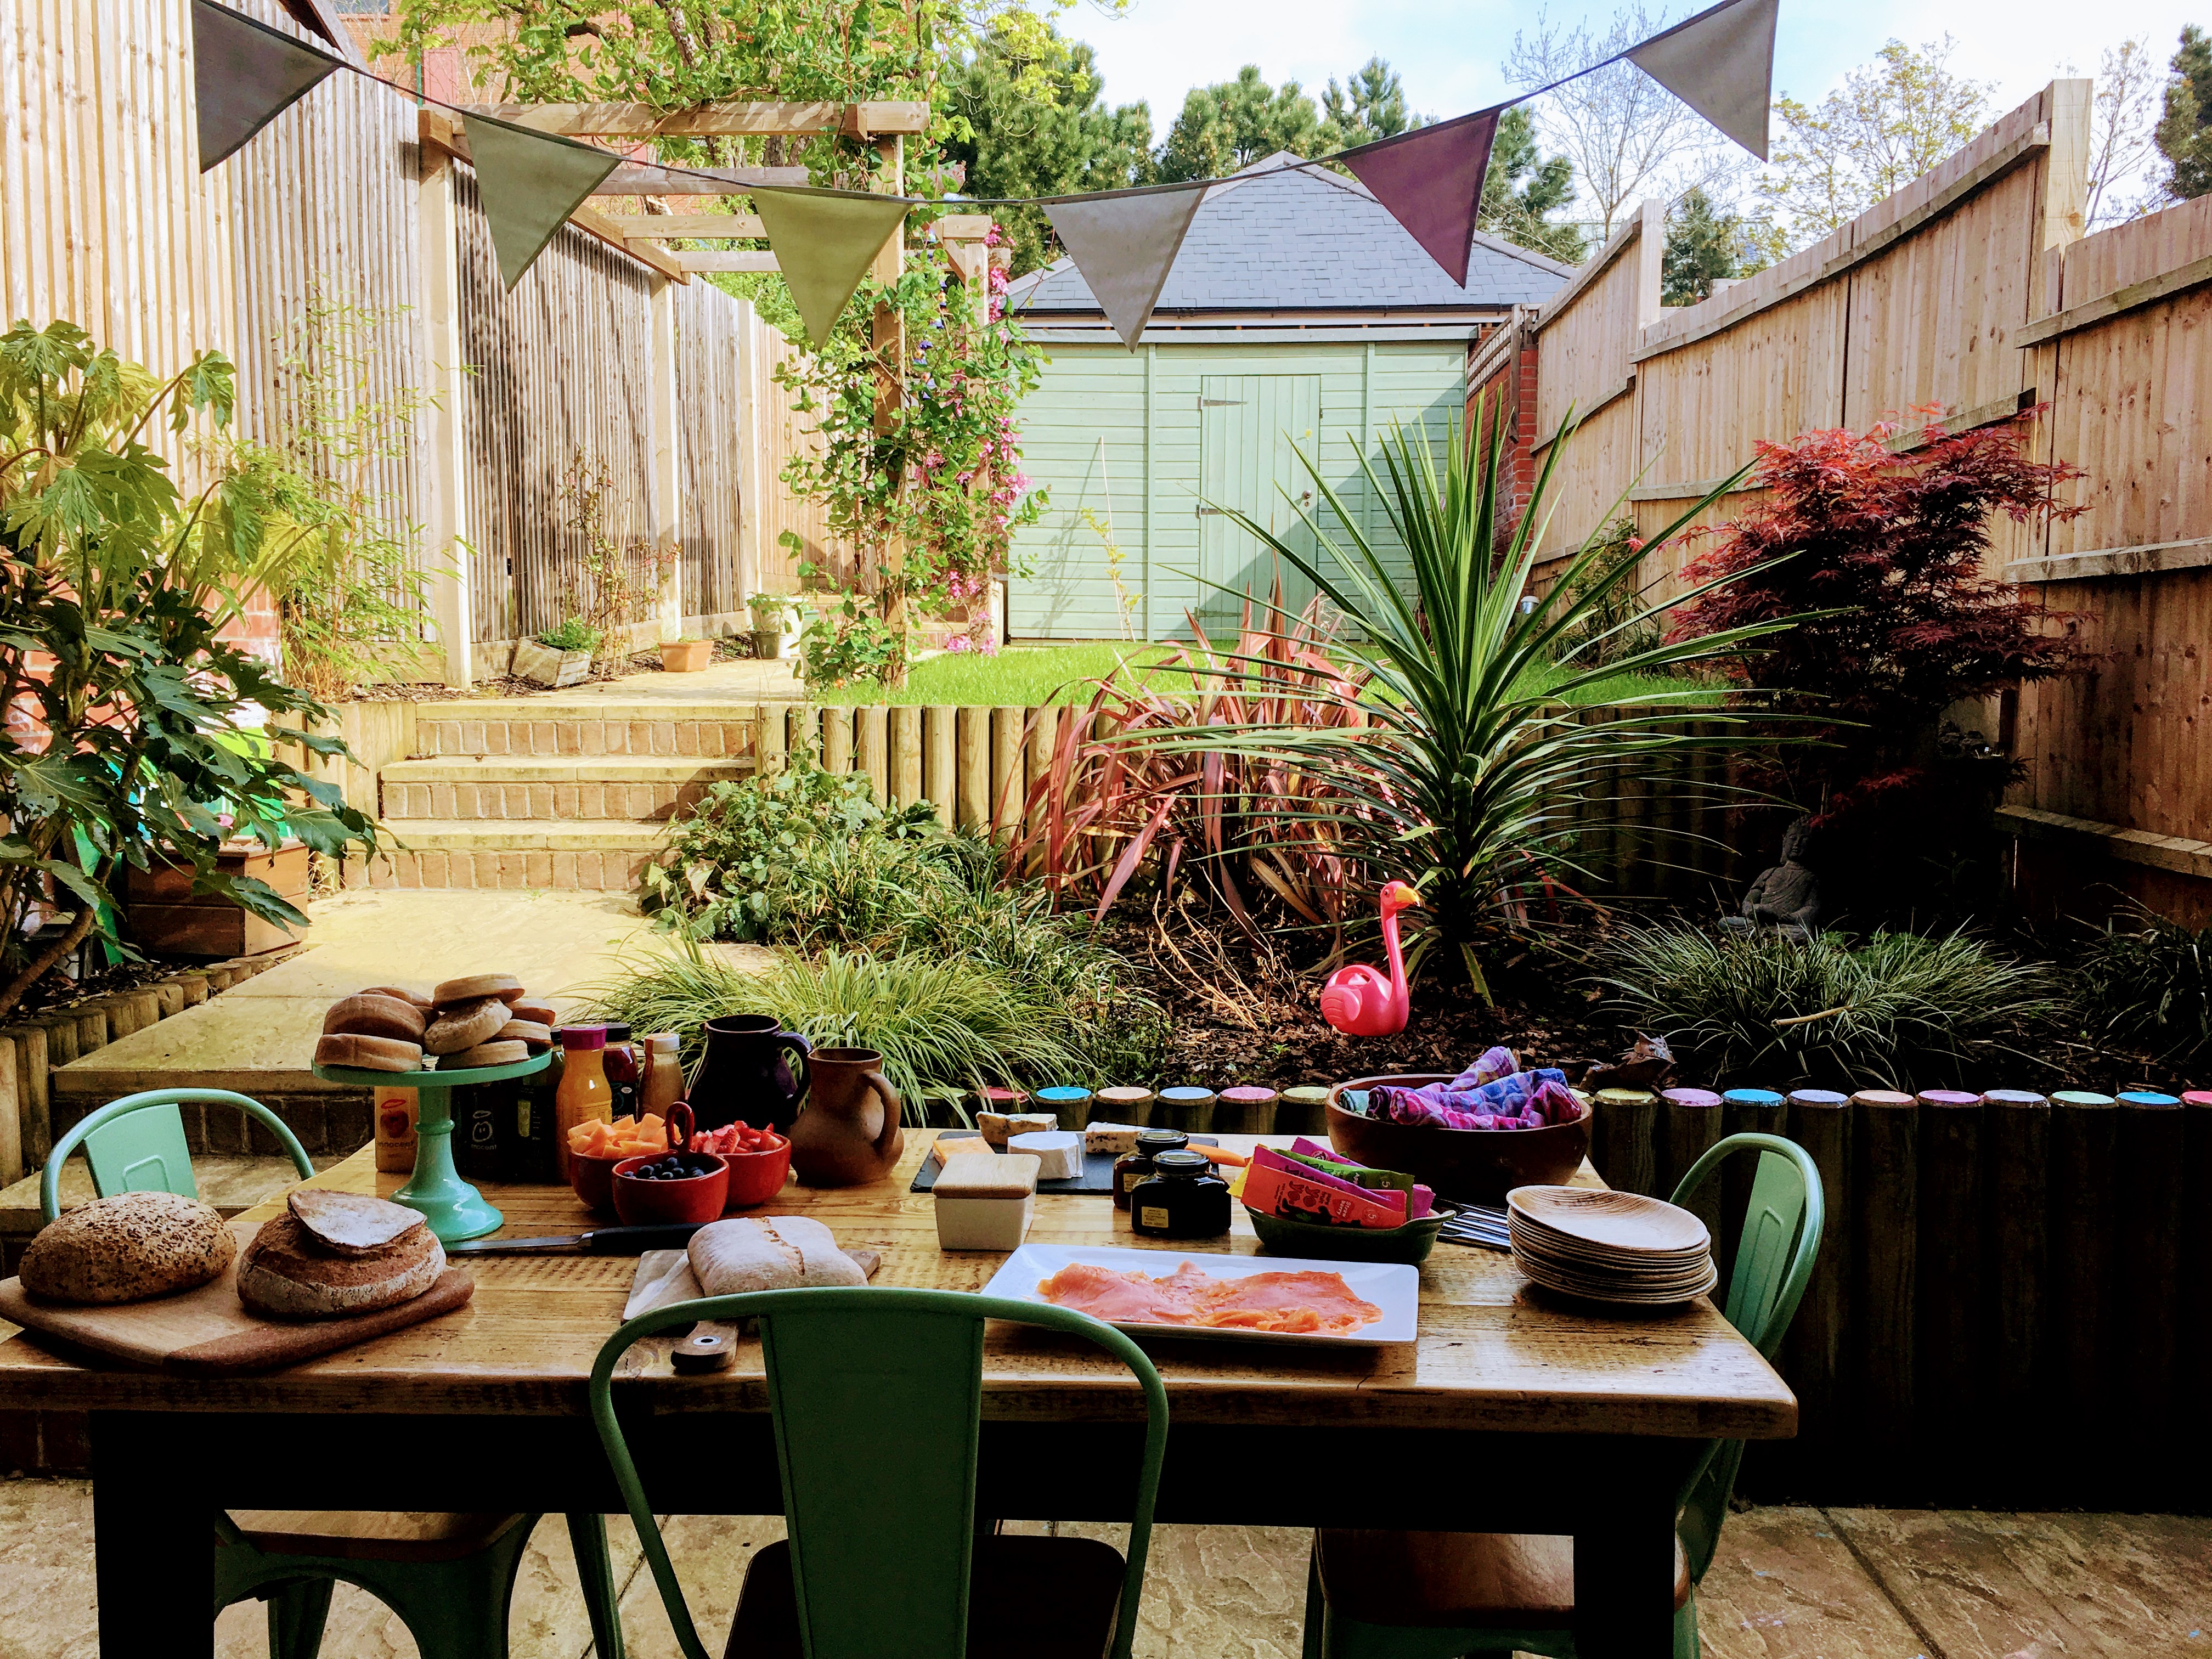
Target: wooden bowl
(1474,1166)
(645,1203)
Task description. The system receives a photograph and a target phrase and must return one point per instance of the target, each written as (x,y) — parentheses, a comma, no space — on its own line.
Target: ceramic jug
(850,1132)
(748,1074)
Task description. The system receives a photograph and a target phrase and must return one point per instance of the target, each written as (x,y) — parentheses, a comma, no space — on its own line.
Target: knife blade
(599,1241)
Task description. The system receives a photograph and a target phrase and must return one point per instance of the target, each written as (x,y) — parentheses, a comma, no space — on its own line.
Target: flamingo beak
(1405,897)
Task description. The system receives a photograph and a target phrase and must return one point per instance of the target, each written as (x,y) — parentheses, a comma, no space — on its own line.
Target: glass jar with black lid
(1132,1167)
(1182,1198)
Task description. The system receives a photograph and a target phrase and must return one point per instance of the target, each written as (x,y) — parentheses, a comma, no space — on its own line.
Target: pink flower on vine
(965,476)
(958,642)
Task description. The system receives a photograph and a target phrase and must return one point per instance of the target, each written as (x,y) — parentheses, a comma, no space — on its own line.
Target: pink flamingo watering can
(1358,1001)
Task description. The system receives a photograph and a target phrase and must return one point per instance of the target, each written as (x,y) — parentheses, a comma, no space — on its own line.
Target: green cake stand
(454,1209)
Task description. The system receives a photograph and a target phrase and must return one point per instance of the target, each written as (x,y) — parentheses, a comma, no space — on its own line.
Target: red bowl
(757,1178)
(1477,1166)
(592,1179)
(642,1203)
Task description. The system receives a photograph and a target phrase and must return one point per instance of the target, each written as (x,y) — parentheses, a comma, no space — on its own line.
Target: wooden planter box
(548,667)
(166,917)
(686,656)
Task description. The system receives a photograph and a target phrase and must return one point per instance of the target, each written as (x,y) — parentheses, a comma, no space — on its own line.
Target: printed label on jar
(522,1118)
(1152,1216)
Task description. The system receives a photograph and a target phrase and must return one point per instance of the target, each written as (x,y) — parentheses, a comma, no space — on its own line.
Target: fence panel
(709,369)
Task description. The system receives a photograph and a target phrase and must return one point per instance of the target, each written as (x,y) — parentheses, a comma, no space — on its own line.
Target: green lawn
(1031,676)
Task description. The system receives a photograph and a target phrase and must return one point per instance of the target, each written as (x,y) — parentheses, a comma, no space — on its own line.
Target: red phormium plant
(1893,547)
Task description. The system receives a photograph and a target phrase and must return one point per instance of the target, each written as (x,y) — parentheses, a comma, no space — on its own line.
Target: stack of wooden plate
(1608,1246)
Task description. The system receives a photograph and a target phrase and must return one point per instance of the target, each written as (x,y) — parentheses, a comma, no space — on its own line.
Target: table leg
(1625,1582)
(153,1545)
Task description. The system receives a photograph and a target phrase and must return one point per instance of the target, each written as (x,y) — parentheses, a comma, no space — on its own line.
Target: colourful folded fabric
(1519,1100)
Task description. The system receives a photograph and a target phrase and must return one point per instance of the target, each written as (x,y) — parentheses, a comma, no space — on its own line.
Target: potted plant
(560,656)
(774,617)
(686,656)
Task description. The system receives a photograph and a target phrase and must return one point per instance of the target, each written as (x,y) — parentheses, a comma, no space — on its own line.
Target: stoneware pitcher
(850,1132)
(753,1070)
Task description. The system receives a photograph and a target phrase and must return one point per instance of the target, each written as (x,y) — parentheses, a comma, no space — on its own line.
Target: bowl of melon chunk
(595,1147)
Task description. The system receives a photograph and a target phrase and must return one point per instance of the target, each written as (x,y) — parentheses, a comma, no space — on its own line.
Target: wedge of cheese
(1059,1152)
(1112,1139)
(999,1127)
(953,1142)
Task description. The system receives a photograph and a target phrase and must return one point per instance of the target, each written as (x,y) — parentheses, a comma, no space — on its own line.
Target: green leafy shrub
(2146,982)
(1897,1011)
(573,635)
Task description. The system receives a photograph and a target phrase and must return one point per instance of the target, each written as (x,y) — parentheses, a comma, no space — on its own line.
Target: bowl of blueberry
(671,1186)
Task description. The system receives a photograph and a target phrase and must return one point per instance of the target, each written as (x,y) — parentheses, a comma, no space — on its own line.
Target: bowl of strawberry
(758,1160)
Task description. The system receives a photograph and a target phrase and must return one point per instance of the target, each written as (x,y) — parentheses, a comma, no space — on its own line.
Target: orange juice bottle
(585,1094)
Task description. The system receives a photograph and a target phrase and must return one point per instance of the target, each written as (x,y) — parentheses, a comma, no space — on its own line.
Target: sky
(1448,51)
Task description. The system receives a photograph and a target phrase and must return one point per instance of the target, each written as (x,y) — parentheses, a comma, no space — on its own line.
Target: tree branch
(43,963)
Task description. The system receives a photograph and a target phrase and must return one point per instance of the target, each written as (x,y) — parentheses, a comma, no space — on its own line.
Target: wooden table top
(1492,1355)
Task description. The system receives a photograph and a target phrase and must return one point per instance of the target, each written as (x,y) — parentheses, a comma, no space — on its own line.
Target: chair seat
(371,1535)
(1028,1598)
(1459,1580)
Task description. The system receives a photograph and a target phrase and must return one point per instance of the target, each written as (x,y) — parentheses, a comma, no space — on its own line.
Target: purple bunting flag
(1430,178)
(1124,244)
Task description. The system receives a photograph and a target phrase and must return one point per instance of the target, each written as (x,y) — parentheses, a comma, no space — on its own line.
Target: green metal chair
(137,1144)
(876,1396)
(449,1577)
(1442,1596)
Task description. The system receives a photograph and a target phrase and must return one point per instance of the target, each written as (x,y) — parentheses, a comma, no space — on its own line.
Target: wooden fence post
(871,749)
(905,720)
(2195,1310)
(2085,1139)
(1689,1123)
(1813,1353)
(940,784)
(973,764)
(667,476)
(770,747)
(1006,768)
(837,741)
(1885,1196)
(1950,1412)
(1624,1141)
(2148,1299)
(2016,1136)
(445,529)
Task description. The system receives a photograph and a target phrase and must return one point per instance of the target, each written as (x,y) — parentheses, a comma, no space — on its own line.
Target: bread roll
(475,987)
(352,1223)
(768,1253)
(370,1053)
(536,1010)
(465,1025)
(127,1248)
(486,1053)
(285,1274)
(527,1031)
(412,998)
(372,1015)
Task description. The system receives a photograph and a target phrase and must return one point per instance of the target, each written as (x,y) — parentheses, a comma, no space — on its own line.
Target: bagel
(368,1054)
(526,1030)
(465,1025)
(487,1053)
(373,1014)
(474,986)
(536,1010)
(413,998)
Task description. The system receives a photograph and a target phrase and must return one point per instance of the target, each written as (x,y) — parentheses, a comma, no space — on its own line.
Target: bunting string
(1720,62)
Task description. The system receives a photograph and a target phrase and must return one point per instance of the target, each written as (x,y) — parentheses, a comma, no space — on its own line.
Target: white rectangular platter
(1393,1286)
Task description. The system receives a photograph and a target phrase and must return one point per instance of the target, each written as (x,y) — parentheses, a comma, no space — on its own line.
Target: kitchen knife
(600,1241)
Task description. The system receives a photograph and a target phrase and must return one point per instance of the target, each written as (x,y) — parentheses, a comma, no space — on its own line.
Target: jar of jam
(1132,1167)
(1182,1198)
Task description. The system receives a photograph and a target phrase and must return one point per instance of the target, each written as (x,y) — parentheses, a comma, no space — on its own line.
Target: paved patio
(1791,1583)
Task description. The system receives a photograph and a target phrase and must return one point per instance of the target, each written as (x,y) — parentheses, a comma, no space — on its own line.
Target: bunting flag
(530,183)
(1430,178)
(1124,244)
(245,75)
(824,242)
(1720,64)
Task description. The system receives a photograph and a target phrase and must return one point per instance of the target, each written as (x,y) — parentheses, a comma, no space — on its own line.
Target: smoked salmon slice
(1292,1304)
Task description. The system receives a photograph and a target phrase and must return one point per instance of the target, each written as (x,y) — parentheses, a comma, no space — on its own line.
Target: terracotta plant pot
(1475,1166)
(686,656)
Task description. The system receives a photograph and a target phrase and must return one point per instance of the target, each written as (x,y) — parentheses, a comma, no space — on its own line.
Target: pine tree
(1233,123)
(1372,106)
(2184,133)
(1524,188)
(1703,245)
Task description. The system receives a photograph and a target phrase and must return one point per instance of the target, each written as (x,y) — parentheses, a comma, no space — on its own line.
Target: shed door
(1249,427)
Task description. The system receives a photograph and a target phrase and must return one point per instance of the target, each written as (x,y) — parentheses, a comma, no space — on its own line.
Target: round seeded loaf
(370,1053)
(505,987)
(286,1274)
(127,1248)
(486,1053)
(465,1025)
(373,1015)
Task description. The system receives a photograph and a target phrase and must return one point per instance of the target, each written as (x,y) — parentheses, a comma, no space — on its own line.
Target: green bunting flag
(1720,64)
(824,243)
(245,75)
(530,183)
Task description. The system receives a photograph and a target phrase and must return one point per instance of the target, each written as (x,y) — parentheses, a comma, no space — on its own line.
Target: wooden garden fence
(1975,289)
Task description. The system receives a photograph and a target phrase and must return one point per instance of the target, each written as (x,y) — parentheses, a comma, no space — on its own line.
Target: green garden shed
(1299,316)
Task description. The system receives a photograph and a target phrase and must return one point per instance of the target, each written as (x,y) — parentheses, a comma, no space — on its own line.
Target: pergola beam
(762,120)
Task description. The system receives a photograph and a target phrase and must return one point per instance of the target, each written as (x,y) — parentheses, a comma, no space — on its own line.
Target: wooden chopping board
(208,1333)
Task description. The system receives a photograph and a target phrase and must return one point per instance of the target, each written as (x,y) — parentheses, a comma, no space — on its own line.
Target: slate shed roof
(1272,240)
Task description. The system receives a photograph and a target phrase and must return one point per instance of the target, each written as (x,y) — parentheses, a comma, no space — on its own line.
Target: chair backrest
(1774,1258)
(137,1144)
(877,1397)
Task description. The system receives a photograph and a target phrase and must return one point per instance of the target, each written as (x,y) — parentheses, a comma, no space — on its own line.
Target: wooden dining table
(1511,1411)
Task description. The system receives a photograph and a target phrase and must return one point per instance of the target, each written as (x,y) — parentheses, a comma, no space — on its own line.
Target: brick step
(587,788)
(523,727)
(517,854)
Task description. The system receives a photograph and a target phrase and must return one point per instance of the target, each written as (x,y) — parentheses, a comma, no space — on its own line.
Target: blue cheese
(1111,1139)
